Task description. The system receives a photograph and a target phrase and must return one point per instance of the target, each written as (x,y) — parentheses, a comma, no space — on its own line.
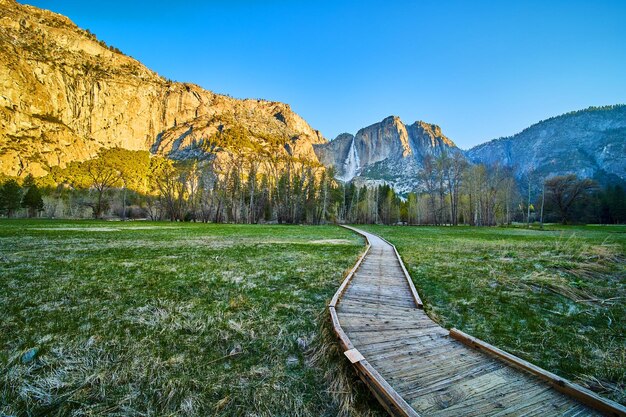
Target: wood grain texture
(415,367)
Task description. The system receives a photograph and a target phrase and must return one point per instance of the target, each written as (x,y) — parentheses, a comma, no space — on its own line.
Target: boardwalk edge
(563,385)
(384,393)
(397,406)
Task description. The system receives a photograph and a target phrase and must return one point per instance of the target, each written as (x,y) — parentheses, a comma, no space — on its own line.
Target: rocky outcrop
(64,95)
(335,152)
(387,152)
(590,143)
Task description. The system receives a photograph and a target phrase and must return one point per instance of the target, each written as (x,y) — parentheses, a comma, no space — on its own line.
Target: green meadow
(555,297)
(142,318)
(139,318)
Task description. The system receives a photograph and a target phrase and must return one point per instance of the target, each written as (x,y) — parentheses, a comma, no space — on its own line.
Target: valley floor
(142,318)
(556,297)
(139,318)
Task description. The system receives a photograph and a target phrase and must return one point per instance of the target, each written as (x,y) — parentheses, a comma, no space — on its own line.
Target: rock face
(590,143)
(64,95)
(388,151)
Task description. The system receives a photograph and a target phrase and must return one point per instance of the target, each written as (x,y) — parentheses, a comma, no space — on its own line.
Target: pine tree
(10,197)
(32,199)
(617,204)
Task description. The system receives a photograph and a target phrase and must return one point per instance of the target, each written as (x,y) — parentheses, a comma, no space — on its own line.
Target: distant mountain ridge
(590,143)
(385,152)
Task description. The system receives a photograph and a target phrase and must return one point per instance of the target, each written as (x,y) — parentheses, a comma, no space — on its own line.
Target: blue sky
(479,69)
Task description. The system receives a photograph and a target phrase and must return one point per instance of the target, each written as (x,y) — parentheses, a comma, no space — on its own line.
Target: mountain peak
(391,118)
(434,132)
(387,151)
(344,136)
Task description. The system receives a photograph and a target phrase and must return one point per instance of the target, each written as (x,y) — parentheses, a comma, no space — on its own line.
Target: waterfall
(351,164)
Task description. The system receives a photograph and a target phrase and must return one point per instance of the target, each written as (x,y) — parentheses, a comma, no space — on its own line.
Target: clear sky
(479,69)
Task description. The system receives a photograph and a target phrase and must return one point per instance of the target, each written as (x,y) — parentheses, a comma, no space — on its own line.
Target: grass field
(556,297)
(146,318)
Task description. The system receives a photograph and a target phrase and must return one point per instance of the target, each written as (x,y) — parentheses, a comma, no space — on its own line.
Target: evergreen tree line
(259,188)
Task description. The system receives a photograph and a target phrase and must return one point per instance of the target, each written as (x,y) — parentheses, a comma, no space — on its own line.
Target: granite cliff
(388,151)
(64,95)
(590,143)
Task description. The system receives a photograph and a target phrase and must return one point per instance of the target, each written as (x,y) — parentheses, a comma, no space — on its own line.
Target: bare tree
(429,178)
(453,168)
(564,191)
(102,176)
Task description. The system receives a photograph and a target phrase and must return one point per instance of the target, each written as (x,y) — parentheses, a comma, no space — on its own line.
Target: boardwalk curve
(415,367)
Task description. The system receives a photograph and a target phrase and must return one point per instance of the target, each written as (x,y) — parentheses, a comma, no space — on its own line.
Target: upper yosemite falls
(590,143)
(65,95)
(385,152)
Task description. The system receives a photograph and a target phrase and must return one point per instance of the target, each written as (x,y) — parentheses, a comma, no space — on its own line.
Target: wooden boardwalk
(417,368)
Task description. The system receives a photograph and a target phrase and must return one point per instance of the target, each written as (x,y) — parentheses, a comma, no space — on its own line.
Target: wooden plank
(415,355)
(382,385)
(378,291)
(431,368)
(471,394)
(378,300)
(376,279)
(416,297)
(411,309)
(383,323)
(424,340)
(375,337)
(438,382)
(353,355)
(375,328)
(343,337)
(478,407)
(352,306)
(561,384)
(415,316)
(345,282)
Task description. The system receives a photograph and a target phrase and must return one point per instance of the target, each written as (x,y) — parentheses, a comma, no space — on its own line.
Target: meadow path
(417,368)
